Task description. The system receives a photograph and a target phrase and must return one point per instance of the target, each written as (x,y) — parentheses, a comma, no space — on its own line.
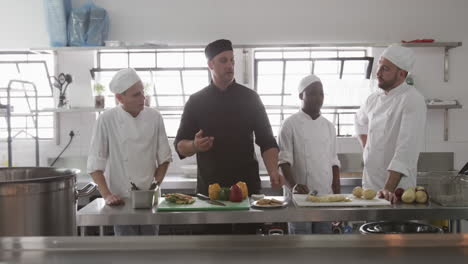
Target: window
(34,68)
(344,73)
(169,77)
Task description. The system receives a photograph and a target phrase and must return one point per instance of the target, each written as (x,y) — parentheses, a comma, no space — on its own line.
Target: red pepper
(235,195)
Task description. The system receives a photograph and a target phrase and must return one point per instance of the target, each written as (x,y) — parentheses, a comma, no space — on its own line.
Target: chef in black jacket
(220,124)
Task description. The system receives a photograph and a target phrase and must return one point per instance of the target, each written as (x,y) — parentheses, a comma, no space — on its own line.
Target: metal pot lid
(35,174)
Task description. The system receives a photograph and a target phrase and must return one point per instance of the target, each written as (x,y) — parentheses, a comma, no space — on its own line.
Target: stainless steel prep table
(382,249)
(97,213)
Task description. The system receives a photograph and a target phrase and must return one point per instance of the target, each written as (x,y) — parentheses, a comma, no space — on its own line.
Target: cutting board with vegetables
(200,205)
(300,201)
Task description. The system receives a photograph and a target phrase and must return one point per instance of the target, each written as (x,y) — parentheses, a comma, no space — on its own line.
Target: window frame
(24,129)
(336,111)
(168,112)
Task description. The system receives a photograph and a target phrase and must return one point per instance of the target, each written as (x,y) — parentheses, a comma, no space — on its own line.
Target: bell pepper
(213,191)
(243,186)
(235,194)
(224,194)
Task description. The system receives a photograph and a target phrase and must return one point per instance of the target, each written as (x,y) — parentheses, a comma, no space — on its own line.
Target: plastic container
(98,27)
(88,25)
(56,20)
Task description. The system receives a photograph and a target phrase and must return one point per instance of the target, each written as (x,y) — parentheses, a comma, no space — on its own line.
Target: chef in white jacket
(389,126)
(129,144)
(308,157)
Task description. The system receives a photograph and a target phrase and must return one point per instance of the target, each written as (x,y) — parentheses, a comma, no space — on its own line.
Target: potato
(419,188)
(421,197)
(357,191)
(369,194)
(408,196)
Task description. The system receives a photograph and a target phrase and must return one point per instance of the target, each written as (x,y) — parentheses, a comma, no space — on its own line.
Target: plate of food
(179,198)
(269,203)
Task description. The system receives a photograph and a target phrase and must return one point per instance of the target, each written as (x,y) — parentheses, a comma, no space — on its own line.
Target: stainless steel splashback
(428,161)
(436,161)
(351,162)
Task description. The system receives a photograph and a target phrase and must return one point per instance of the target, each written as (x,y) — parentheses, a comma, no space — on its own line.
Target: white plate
(255,204)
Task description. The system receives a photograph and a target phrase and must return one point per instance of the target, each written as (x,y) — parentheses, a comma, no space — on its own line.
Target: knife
(208,200)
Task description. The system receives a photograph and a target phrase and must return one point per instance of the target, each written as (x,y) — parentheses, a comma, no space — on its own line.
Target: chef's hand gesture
(113,199)
(202,144)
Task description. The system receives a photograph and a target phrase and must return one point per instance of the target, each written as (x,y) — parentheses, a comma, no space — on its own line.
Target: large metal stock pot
(38,201)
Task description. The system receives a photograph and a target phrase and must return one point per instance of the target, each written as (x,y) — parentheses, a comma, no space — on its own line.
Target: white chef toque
(306,81)
(123,80)
(402,57)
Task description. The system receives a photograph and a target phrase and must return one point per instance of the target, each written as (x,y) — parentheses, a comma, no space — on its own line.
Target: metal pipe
(35,120)
(8,119)
(36,115)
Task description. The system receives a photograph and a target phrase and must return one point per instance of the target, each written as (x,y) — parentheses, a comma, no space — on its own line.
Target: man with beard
(219,123)
(389,126)
(218,126)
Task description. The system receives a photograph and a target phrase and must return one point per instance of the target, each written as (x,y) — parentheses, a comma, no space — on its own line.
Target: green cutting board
(200,205)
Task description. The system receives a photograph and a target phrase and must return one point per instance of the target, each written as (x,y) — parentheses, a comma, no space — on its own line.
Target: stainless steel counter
(325,249)
(98,214)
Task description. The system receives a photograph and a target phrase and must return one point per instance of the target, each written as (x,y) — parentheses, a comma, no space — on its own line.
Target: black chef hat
(216,47)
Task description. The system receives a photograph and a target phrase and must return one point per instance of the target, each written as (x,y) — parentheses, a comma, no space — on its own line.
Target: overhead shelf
(58,111)
(71,110)
(448,106)
(445,107)
(449,45)
(446,45)
(93,109)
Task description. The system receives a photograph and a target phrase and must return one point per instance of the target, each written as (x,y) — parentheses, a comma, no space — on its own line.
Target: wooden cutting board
(300,200)
(200,205)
